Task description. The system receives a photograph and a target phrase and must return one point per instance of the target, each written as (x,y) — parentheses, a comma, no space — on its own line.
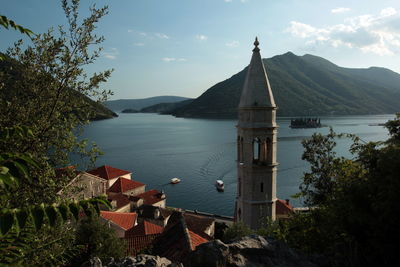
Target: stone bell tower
(256,145)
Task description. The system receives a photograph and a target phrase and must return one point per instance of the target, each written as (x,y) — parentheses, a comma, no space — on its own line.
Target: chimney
(287,201)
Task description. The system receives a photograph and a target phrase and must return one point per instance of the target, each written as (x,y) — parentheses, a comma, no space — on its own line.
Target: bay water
(156,148)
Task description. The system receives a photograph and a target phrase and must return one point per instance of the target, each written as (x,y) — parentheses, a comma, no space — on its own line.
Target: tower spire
(256,43)
(256,90)
(256,144)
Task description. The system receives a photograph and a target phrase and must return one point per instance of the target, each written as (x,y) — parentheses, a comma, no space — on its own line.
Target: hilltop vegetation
(138,104)
(306,85)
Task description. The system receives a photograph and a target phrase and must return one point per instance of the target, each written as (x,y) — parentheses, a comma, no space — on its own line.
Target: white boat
(175,180)
(219,184)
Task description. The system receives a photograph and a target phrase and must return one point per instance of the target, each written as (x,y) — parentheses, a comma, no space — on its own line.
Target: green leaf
(22,217)
(95,205)
(6,221)
(38,216)
(74,208)
(51,213)
(86,208)
(64,211)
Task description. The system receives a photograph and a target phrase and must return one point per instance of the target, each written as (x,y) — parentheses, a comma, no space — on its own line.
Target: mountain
(165,108)
(121,104)
(306,85)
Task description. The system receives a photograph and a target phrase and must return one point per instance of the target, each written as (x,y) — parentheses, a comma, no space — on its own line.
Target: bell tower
(256,145)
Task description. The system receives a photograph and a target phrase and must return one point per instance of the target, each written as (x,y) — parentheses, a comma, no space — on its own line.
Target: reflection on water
(156,148)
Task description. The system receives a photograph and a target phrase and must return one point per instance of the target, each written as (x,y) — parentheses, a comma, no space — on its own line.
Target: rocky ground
(247,251)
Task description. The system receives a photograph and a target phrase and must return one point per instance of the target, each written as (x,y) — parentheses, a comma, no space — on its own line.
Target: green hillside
(138,104)
(165,108)
(306,85)
(11,92)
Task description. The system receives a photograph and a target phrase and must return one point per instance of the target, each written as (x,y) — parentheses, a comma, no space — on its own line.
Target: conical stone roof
(256,89)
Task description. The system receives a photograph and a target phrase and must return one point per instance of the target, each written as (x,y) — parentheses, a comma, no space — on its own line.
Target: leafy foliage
(236,230)
(354,221)
(99,240)
(6,23)
(44,94)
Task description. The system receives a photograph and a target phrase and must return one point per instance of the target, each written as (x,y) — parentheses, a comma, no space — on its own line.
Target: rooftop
(108,172)
(144,228)
(123,185)
(125,220)
(283,207)
(121,200)
(151,197)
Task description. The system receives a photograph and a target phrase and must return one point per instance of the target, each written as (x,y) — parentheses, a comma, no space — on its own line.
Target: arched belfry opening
(256,151)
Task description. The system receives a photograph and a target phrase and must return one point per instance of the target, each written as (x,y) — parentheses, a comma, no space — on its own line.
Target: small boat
(175,180)
(219,184)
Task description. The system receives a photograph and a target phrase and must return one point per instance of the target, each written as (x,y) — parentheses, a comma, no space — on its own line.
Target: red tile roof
(144,228)
(123,185)
(125,220)
(108,172)
(121,200)
(283,207)
(177,241)
(151,197)
(198,223)
(196,239)
(137,244)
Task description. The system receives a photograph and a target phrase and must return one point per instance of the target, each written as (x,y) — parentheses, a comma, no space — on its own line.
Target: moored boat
(219,184)
(175,180)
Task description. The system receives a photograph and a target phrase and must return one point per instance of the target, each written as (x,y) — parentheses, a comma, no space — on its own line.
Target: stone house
(84,186)
(110,174)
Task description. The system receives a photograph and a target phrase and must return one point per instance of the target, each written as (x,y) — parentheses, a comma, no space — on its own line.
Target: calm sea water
(157,148)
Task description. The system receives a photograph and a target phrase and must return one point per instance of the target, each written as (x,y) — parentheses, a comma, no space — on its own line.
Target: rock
(248,251)
(93,262)
(141,260)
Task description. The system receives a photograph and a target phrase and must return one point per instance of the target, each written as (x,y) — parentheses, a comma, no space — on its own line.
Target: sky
(183,47)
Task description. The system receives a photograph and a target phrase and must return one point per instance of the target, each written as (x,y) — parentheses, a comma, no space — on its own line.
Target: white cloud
(201,37)
(138,44)
(129,30)
(143,33)
(378,34)
(228,1)
(111,53)
(232,44)
(162,35)
(340,10)
(387,12)
(170,59)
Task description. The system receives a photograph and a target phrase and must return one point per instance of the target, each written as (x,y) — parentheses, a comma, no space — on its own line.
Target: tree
(99,240)
(236,230)
(43,93)
(44,87)
(354,220)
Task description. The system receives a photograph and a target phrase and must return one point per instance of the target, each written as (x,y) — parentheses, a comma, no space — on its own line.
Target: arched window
(262,187)
(269,150)
(256,149)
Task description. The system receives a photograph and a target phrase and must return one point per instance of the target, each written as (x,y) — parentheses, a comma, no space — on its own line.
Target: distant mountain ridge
(138,104)
(306,85)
